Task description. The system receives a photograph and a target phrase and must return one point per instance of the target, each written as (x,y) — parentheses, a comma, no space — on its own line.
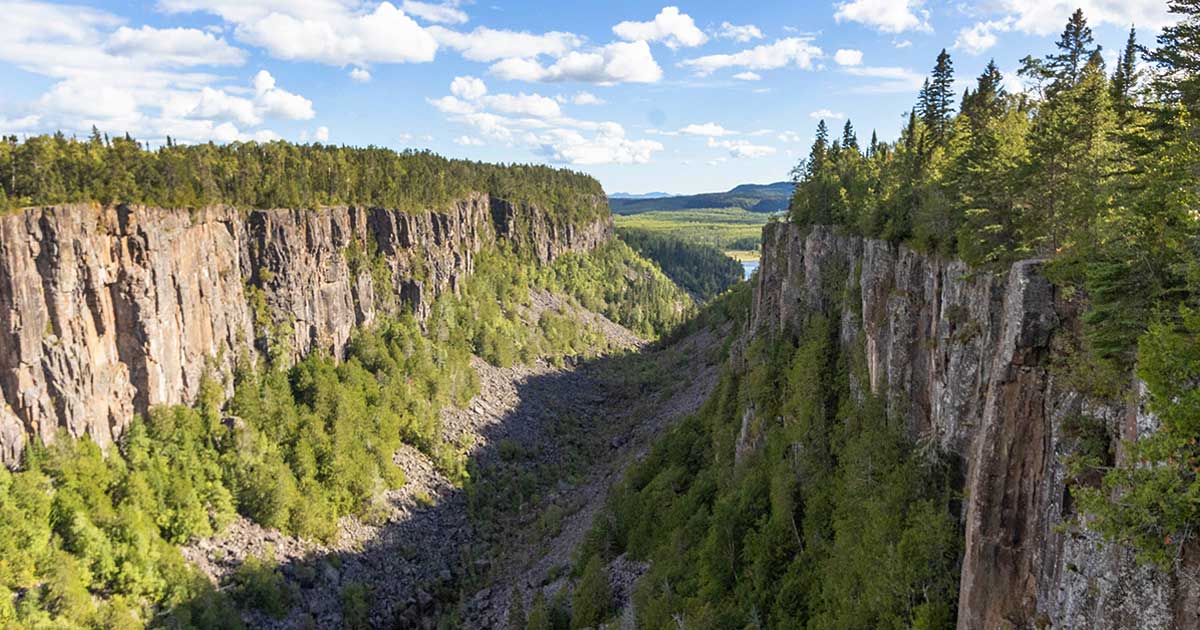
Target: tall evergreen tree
(849,138)
(1178,56)
(1126,76)
(1075,46)
(938,97)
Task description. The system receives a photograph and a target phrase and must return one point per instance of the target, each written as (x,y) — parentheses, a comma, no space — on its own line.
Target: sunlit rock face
(963,360)
(108,311)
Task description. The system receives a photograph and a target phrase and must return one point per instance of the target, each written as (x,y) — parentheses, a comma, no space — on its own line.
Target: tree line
(1093,169)
(51,169)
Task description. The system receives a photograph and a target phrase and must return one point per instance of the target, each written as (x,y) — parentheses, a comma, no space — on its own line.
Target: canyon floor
(545,443)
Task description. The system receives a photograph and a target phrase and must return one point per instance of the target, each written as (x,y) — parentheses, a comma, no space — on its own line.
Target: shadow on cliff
(442,547)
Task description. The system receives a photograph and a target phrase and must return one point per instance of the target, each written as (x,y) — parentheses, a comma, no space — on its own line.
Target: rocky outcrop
(107,311)
(965,360)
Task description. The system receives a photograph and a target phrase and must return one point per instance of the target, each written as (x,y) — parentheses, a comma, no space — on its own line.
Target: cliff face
(965,360)
(105,312)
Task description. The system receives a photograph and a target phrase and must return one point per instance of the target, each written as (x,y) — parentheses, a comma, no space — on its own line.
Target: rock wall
(107,311)
(964,359)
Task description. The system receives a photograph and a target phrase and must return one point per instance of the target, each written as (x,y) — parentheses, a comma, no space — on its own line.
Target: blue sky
(682,98)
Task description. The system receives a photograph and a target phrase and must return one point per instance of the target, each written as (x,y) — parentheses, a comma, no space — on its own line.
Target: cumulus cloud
(586,98)
(670,27)
(324,31)
(848,57)
(748,76)
(975,39)
(791,137)
(173,46)
(709,129)
(276,102)
(321,134)
(485,44)
(618,62)
(468,141)
(361,75)
(537,122)
(437,13)
(149,82)
(607,146)
(739,33)
(888,16)
(742,148)
(797,51)
(826,113)
(1047,17)
(468,87)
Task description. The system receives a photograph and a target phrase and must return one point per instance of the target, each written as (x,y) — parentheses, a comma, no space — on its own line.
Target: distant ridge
(649,195)
(752,197)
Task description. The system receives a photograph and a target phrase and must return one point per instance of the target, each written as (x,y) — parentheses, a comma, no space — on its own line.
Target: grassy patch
(723,228)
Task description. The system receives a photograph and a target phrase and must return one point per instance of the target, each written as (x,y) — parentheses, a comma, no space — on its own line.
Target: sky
(646,96)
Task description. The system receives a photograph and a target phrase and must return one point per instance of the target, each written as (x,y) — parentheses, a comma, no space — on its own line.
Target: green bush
(592,602)
(258,583)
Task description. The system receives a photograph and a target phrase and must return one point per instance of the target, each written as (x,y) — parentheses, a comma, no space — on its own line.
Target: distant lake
(748,267)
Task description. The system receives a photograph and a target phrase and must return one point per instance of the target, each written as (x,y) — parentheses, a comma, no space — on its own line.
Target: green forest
(56,169)
(704,271)
(838,519)
(91,540)
(1092,168)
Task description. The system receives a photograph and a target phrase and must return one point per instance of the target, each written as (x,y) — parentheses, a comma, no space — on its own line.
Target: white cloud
(618,62)
(826,113)
(586,98)
(534,105)
(277,102)
(848,57)
(888,16)
(742,148)
(608,146)
(748,76)
(1047,17)
(791,136)
(888,79)
(742,33)
(437,13)
(468,141)
(904,43)
(361,75)
(485,44)
(709,129)
(326,31)
(798,51)
(976,39)
(671,27)
(173,46)
(321,134)
(138,80)
(469,88)
(25,123)
(452,105)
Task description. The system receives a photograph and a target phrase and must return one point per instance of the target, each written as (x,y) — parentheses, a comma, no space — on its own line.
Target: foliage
(834,522)
(722,228)
(1095,172)
(592,601)
(703,271)
(258,583)
(56,169)
(761,198)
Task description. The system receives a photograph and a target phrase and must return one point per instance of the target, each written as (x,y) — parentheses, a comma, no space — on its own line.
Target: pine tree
(849,138)
(1178,56)
(989,92)
(1125,77)
(1075,47)
(873,149)
(516,611)
(938,97)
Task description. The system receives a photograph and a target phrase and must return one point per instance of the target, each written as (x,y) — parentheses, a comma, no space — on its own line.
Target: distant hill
(753,197)
(649,195)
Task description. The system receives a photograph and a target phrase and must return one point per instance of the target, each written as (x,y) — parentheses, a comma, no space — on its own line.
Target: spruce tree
(1075,47)
(849,138)
(1178,56)
(1125,77)
(938,97)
